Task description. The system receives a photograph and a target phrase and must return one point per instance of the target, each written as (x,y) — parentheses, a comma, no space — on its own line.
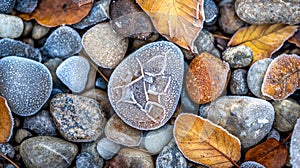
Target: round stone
(238,57)
(10,26)
(145,88)
(26,84)
(77,118)
(205,43)
(238,82)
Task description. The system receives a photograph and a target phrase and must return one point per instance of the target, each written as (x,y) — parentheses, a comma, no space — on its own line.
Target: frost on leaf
(295,146)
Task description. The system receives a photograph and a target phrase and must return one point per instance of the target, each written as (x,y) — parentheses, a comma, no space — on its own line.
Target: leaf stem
(101,74)
(228,158)
(6,158)
(287,138)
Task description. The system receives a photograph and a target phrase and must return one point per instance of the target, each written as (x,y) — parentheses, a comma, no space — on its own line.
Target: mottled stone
(107,149)
(91,148)
(268,11)
(121,133)
(171,156)
(145,88)
(205,43)
(73,72)
(295,146)
(286,114)
(26,84)
(10,47)
(251,164)
(47,152)
(6,6)
(77,118)
(22,134)
(274,134)
(106,48)
(26,6)
(210,11)
(7,149)
(238,82)
(238,57)
(63,42)
(39,31)
(86,160)
(10,26)
(248,118)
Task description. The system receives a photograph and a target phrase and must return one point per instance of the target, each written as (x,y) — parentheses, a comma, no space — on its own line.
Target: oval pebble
(107,149)
(77,118)
(39,31)
(22,134)
(6,6)
(26,84)
(10,26)
(211,11)
(145,88)
(26,6)
(238,57)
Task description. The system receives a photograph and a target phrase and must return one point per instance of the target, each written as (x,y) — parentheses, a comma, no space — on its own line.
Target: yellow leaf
(179,21)
(264,40)
(206,143)
(6,121)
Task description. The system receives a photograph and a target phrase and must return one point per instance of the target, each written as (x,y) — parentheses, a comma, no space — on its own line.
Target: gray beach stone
(238,82)
(22,134)
(205,43)
(86,160)
(26,6)
(6,6)
(91,148)
(107,149)
(274,134)
(295,146)
(39,31)
(238,57)
(251,164)
(211,11)
(10,26)
(8,150)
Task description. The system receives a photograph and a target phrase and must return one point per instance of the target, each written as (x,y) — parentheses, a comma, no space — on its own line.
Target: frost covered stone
(145,87)
(73,72)
(10,26)
(6,6)
(251,164)
(295,146)
(26,84)
(26,6)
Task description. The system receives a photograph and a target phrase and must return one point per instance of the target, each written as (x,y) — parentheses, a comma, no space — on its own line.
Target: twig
(221,37)
(287,138)
(101,74)
(6,158)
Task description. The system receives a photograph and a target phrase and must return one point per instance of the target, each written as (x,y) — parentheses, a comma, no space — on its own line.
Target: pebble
(107,149)
(10,26)
(98,13)
(77,118)
(248,118)
(10,47)
(101,83)
(119,132)
(26,84)
(205,43)
(251,164)
(52,65)
(91,148)
(274,134)
(286,113)
(6,6)
(268,11)
(159,66)
(63,42)
(22,134)
(106,48)
(8,150)
(256,75)
(238,57)
(28,41)
(211,11)
(39,31)
(156,140)
(47,152)
(130,157)
(28,26)
(171,157)
(295,147)
(8,166)
(238,82)
(40,123)
(73,72)
(26,6)
(85,160)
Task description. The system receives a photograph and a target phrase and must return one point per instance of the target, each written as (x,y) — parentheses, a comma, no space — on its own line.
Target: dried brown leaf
(6,121)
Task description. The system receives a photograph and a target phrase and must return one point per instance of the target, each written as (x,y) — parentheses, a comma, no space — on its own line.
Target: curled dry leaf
(180,21)
(271,154)
(282,77)
(6,121)
(296,38)
(206,143)
(54,13)
(264,39)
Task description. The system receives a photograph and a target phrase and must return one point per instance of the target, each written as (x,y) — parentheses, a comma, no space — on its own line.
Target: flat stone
(238,82)
(47,152)
(145,87)
(10,26)
(77,118)
(73,72)
(106,48)
(39,31)
(26,6)
(248,118)
(119,132)
(107,149)
(295,147)
(85,160)
(91,148)
(26,84)
(238,57)
(6,6)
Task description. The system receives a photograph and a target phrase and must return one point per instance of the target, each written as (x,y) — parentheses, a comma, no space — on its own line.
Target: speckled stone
(145,87)
(98,13)
(248,118)
(104,46)
(295,146)
(73,72)
(26,6)
(10,47)
(47,152)
(107,149)
(10,26)
(26,84)
(39,31)
(238,82)
(40,123)
(86,160)
(91,148)
(205,43)
(121,133)
(77,118)
(8,150)
(238,57)
(251,164)
(6,6)
(63,42)
(211,11)
(22,134)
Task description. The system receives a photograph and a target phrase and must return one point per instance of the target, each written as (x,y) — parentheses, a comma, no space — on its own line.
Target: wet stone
(62,43)
(10,26)
(121,133)
(274,134)
(26,84)
(248,118)
(238,57)
(205,43)
(145,87)
(98,13)
(10,47)
(256,75)
(73,72)
(107,149)
(268,11)
(26,6)
(8,150)
(47,152)
(210,11)
(106,48)
(77,118)
(22,134)
(86,160)
(91,148)
(6,6)
(39,31)
(238,82)
(40,123)
(251,164)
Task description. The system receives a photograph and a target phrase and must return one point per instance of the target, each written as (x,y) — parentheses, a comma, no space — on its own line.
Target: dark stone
(210,11)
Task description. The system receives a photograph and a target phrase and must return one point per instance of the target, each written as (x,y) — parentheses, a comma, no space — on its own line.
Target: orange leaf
(282,77)
(264,40)
(6,121)
(206,143)
(296,38)
(271,154)
(53,13)
(180,21)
